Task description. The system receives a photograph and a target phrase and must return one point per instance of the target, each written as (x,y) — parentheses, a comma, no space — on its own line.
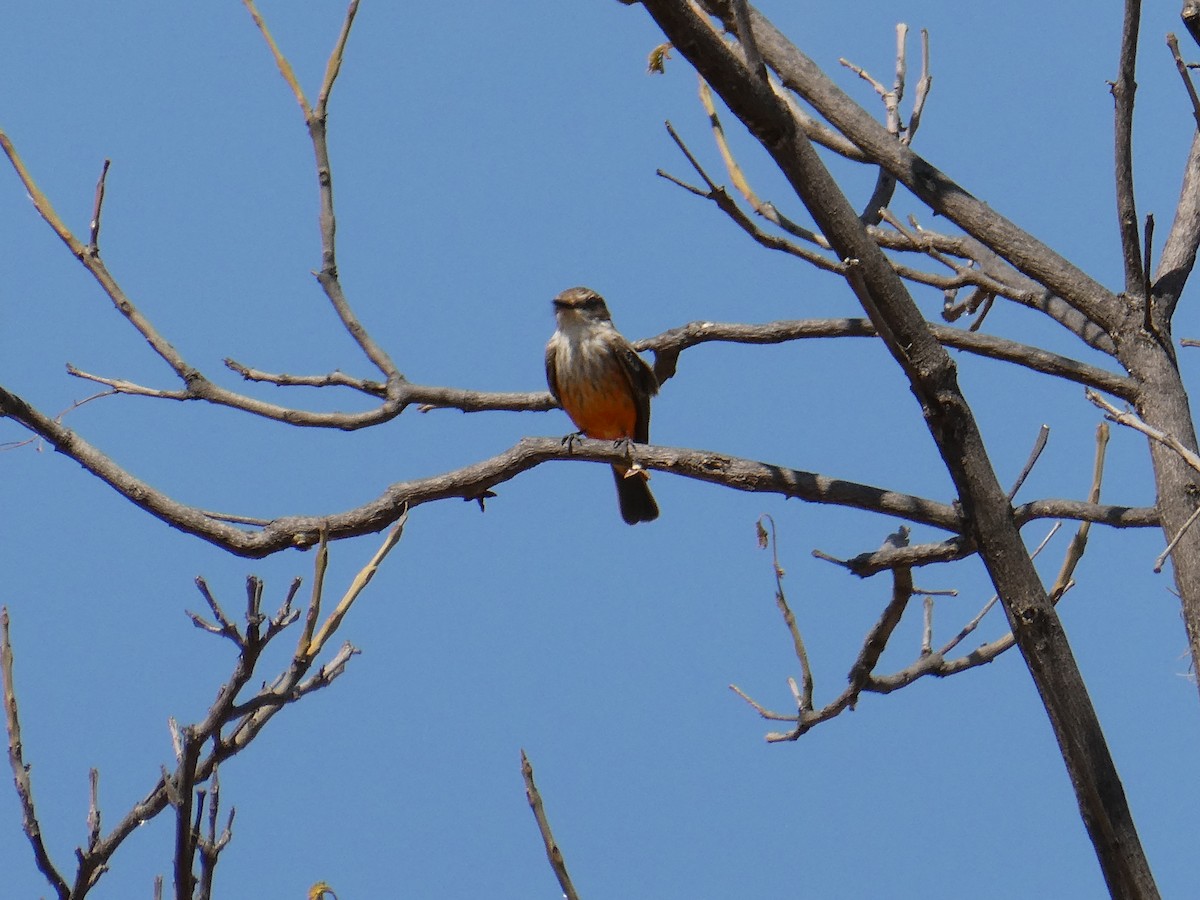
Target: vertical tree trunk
(1163,404)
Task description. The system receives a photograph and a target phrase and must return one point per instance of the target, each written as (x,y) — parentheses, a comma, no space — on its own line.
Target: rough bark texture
(1162,402)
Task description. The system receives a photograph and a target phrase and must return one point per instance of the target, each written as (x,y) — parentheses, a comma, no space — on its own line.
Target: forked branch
(229,726)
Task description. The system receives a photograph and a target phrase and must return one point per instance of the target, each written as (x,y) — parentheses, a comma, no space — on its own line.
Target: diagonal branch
(988,517)
(243,719)
(20,770)
(989,271)
(929,662)
(1185,76)
(929,184)
(1134,421)
(196,385)
(1179,251)
(553,853)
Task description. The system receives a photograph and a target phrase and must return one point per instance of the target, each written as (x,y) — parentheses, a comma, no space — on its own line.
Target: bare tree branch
(885,183)
(1038,446)
(988,516)
(989,271)
(1191,18)
(668,345)
(230,724)
(1185,75)
(553,853)
(475,481)
(928,662)
(1179,251)
(20,770)
(1132,420)
(210,844)
(929,184)
(805,701)
(1123,89)
(98,205)
(745,36)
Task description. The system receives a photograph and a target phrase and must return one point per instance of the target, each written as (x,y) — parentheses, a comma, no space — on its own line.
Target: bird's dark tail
(633,494)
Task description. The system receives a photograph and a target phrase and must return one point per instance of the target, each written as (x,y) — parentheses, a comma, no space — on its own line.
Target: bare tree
(789,105)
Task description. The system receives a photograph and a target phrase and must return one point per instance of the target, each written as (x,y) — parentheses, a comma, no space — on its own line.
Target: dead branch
(1123,89)
(20,770)
(229,726)
(553,853)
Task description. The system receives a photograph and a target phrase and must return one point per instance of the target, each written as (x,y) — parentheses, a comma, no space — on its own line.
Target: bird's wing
(644,386)
(552,368)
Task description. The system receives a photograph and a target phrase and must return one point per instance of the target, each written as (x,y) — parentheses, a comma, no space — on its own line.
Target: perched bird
(604,386)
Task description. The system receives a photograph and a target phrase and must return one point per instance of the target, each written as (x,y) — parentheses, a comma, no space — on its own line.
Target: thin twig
(877,638)
(98,205)
(320,566)
(1173,43)
(315,121)
(927,627)
(924,85)
(987,607)
(1038,446)
(1162,557)
(285,67)
(1132,420)
(763,711)
(738,176)
(806,675)
(210,844)
(727,205)
(553,853)
(334,66)
(93,818)
(1079,540)
(885,182)
(361,580)
(16,759)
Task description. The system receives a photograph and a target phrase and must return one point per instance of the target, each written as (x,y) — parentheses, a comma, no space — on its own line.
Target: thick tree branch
(1179,251)
(474,482)
(987,513)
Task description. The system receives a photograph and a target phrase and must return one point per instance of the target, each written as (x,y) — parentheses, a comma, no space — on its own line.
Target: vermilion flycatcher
(604,386)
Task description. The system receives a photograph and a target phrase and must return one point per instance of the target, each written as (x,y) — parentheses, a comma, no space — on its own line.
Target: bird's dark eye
(591,302)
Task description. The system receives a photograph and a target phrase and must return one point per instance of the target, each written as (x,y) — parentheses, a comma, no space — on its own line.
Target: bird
(604,386)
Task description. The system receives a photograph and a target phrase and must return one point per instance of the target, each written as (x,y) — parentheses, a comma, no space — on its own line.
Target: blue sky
(487,156)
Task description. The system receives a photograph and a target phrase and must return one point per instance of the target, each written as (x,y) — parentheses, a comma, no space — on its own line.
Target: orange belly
(603,409)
